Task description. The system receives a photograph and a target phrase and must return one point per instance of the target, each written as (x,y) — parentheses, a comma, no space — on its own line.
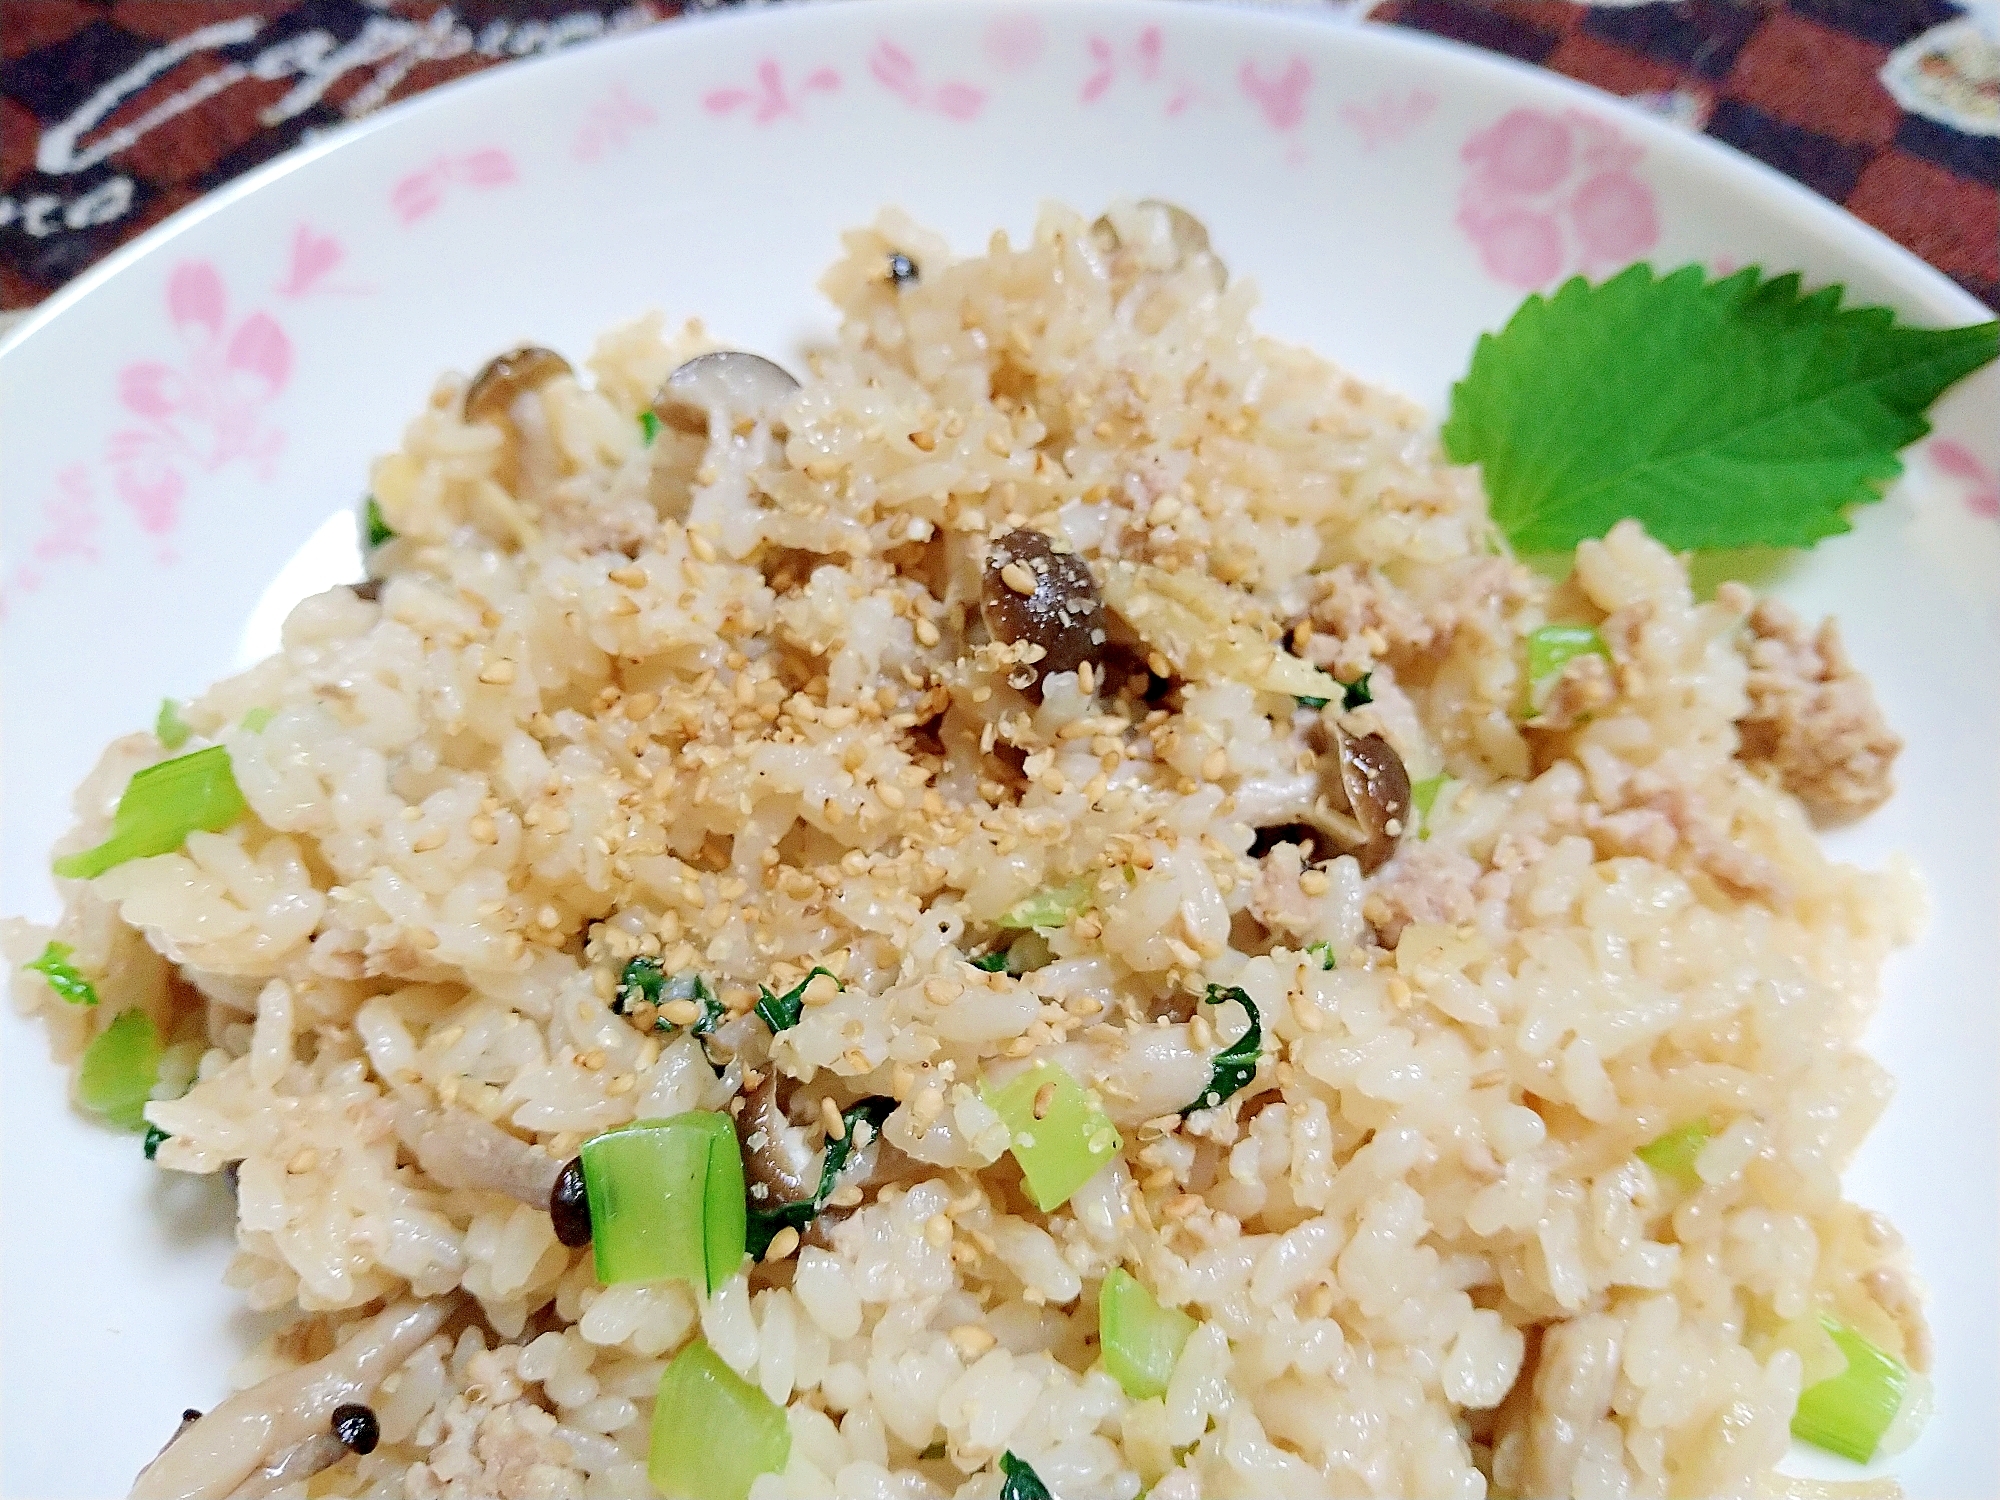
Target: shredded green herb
(782,1012)
(169,728)
(1738,412)
(764,1223)
(162,805)
(993,963)
(1323,951)
(374,527)
(1315,704)
(155,1138)
(1354,694)
(1022,1482)
(1235,1065)
(63,976)
(649,427)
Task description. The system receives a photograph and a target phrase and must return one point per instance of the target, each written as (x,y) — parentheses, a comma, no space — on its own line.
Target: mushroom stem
(255,1428)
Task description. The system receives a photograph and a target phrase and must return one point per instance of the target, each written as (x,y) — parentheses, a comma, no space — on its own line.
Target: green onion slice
(1849,1413)
(162,805)
(1356,693)
(713,1431)
(1235,1065)
(1051,908)
(649,427)
(782,1012)
(120,1067)
(1552,648)
(374,526)
(1021,1481)
(863,1123)
(666,1200)
(1423,797)
(155,1138)
(63,976)
(1674,1154)
(1059,1146)
(169,728)
(1141,1339)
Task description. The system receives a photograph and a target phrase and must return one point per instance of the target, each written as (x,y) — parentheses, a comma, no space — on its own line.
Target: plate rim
(1816,216)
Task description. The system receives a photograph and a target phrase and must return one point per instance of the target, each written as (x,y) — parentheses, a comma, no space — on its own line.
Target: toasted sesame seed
(1018,578)
(497,673)
(937,1230)
(970,1340)
(830,1120)
(783,1243)
(1045,1099)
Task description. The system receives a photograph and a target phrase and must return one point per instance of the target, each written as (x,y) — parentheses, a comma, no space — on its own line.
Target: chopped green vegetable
(1051,908)
(63,976)
(644,980)
(993,963)
(781,1012)
(376,529)
(861,1124)
(1423,797)
(155,1138)
(1022,1482)
(1057,1132)
(258,719)
(1140,1338)
(649,427)
(1550,649)
(640,982)
(1235,1065)
(1730,413)
(1323,951)
(1674,1154)
(666,1200)
(1315,704)
(169,728)
(120,1067)
(1849,1413)
(713,1431)
(162,805)
(1354,694)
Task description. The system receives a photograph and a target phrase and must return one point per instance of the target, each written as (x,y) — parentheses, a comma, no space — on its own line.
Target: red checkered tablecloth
(114,113)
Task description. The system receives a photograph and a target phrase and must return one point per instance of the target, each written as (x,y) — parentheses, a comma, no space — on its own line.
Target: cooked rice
(1424,1258)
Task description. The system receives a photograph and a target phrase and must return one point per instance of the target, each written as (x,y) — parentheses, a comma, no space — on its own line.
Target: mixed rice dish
(1043,910)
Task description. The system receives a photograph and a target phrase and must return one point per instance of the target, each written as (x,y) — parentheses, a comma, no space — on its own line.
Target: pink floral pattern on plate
(1981,484)
(769,97)
(1280,95)
(1143,61)
(610,123)
(420,193)
(314,257)
(1014,44)
(898,72)
(1388,116)
(200,413)
(1548,195)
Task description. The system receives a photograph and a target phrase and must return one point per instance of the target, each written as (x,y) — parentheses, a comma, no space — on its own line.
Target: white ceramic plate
(186,433)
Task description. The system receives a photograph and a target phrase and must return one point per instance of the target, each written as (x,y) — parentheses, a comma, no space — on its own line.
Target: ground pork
(1813,722)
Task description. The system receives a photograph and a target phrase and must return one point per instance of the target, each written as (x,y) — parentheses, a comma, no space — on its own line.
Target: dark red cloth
(1797,85)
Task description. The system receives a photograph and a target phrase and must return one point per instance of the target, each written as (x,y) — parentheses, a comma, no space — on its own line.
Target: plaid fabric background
(1795,84)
